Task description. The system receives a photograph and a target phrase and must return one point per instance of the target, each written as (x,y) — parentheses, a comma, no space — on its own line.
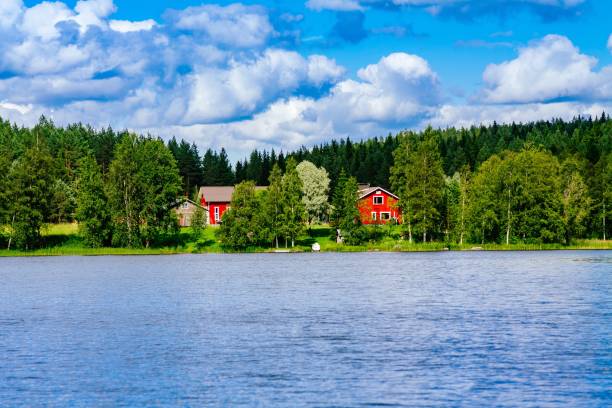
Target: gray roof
(219,194)
(367,191)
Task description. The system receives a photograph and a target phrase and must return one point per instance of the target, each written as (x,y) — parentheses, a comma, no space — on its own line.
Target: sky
(283,74)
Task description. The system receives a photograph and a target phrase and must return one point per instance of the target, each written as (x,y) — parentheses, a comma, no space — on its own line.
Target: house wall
(211,210)
(368,205)
(184,214)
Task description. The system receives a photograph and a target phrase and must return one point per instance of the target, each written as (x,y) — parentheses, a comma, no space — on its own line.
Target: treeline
(543,181)
(119,186)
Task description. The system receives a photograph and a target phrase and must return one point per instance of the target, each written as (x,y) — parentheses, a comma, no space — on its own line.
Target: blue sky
(271,73)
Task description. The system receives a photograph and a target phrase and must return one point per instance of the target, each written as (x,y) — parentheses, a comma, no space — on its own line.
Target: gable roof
(220,194)
(217,194)
(182,200)
(367,191)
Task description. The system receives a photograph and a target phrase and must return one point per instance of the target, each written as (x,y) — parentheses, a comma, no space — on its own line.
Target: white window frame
(388,213)
(217,214)
(382,200)
(374,215)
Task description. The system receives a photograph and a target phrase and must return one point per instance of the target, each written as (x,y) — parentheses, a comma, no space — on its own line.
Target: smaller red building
(378,206)
(216,199)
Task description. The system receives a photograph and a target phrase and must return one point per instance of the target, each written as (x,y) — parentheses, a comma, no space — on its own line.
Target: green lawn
(63,239)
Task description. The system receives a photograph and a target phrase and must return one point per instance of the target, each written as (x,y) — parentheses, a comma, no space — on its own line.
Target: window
(185,205)
(385,216)
(217,218)
(373,216)
(378,200)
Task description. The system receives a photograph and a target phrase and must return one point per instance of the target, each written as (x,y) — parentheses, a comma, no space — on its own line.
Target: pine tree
(350,221)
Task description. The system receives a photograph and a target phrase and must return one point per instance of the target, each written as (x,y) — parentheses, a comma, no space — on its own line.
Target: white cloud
(41,20)
(547,69)
(234,25)
(245,87)
(10,11)
(339,5)
(469,115)
(126,26)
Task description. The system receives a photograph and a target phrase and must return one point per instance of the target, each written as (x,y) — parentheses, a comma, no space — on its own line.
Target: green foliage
(518,198)
(29,210)
(418,179)
(294,212)
(142,187)
(198,223)
(351,229)
(273,205)
(92,210)
(240,226)
(338,200)
(315,183)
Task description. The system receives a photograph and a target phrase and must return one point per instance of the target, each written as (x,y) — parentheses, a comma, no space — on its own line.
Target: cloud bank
(220,76)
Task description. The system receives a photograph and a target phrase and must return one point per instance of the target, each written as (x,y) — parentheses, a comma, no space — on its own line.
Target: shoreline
(104,252)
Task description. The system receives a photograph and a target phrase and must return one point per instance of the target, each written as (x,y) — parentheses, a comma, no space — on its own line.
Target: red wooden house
(217,199)
(378,206)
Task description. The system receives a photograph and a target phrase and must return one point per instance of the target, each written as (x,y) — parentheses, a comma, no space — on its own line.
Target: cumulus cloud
(234,25)
(548,69)
(125,26)
(220,94)
(221,77)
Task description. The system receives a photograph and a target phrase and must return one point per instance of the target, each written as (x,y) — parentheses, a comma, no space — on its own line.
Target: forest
(546,181)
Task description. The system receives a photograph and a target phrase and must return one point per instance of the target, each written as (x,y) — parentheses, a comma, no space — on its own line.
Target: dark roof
(220,194)
(182,200)
(367,191)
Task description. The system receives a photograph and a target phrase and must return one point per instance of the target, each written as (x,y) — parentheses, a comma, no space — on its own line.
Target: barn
(378,206)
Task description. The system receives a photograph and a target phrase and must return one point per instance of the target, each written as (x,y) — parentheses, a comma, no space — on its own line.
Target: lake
(326,330)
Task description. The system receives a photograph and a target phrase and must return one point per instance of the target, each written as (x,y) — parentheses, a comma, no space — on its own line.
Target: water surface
(375,329)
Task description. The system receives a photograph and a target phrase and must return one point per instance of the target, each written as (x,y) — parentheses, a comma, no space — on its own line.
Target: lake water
(316,330)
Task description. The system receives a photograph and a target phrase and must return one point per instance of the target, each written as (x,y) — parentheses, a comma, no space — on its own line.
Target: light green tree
(198,222)
(273,204)
(294,213)
(315,182)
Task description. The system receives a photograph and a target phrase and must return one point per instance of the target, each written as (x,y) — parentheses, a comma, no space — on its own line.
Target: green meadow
(64,240)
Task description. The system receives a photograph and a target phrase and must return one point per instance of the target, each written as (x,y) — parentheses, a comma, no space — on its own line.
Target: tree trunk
(276,240)
(462,219)
(12,232)
(508,227)
(604,221)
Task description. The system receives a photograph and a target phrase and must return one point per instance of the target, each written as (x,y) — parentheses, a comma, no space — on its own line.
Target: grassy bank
(63,239)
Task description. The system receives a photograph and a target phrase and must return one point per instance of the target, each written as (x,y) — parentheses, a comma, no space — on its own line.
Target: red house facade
(378,206)
(216,199)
